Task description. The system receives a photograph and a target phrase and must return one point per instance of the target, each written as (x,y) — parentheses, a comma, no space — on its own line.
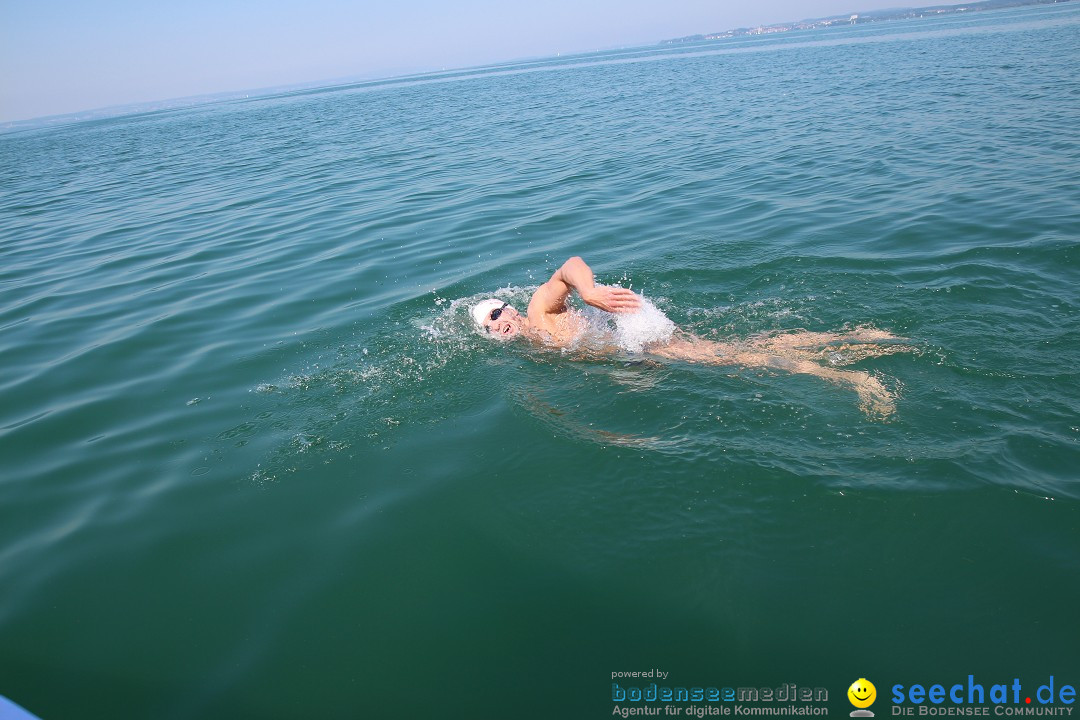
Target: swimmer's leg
(848,354)
(800,339)
(691,348)
(876,400)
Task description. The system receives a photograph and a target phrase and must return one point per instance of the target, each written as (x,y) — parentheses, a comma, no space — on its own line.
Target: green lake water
(257,463)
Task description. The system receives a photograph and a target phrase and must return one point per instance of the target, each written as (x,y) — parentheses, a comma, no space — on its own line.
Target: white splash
(633,331)
(629,331)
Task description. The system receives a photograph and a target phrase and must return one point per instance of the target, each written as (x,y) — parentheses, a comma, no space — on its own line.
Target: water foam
(633,331)
(648,325)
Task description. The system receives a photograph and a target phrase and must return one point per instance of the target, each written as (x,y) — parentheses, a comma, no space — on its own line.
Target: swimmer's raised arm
(550,298)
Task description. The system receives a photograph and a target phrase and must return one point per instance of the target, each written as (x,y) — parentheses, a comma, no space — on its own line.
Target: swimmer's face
(507,322)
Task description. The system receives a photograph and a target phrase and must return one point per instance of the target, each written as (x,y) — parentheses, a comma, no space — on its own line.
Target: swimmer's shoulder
(559,329)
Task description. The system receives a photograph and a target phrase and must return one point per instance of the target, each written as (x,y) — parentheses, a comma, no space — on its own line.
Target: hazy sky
(60,56)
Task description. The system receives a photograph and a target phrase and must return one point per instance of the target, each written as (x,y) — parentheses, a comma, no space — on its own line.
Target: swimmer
(549,320)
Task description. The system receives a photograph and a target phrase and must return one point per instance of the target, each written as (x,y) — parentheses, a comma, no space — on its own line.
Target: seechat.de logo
(862,694)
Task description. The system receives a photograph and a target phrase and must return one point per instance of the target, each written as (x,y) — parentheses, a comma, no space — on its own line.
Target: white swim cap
(482,310)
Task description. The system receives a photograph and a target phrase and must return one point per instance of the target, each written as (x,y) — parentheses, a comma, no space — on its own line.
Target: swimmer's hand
(611,299)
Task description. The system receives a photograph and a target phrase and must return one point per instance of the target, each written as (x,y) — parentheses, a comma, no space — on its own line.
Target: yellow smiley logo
(862,693)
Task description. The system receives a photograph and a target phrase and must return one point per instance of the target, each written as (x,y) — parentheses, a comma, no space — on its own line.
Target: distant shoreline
(860,18)
(126,110)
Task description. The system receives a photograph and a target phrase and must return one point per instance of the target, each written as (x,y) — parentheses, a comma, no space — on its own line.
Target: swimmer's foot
(876,400)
